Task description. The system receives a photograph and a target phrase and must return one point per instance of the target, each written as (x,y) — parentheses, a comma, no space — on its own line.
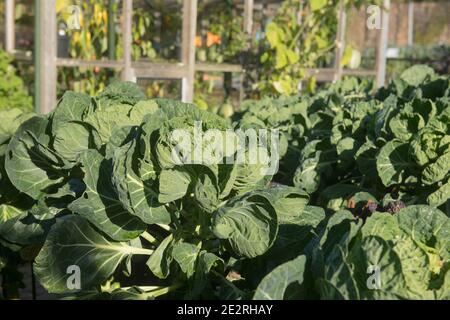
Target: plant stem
(299,32)
(147,236)
(144,288)
(142,251)
(353,96)
(226,281)
(164,226)
(447,207)
(162,290)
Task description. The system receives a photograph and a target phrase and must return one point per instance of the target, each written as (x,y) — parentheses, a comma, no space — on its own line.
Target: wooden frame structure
(47,62)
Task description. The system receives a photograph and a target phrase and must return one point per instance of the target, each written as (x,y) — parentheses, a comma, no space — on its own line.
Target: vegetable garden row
(363,184)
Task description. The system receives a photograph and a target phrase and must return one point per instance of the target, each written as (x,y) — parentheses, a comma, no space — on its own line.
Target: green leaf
(428,226)
(173,185)
(366,158)
(437,170)
(185,254)
(405,125)
(11,120)
(293,57)
(27,228)
(136,188)
(8,212)
(206,191)
(272,34)
(73,242)
(73,106)
(205,262)
(374,254)
(347,56)
(417,74)
(72,138)
(288,202)
(274,285)
(100,204)
(119,93)
(392,163)
(317,4)
(31,166)
(381,224)
(440,196)
(249,223)
(159,261)
(281,57)
(107,120)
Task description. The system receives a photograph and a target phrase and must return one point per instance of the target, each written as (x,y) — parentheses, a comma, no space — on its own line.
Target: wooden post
(383,44)
(410,23)
(9,27)
(111,31)
(45,55)
(248,16)
(340,41)
(188,49)
(127,72)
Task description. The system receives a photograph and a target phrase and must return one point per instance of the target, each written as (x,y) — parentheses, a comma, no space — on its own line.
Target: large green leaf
(120,93)
(31,166)
(136,188)
(11,120)
(373,257)
(73,106)
(27,228)
(173,185)
(288,202)
(406,124)
(72,138)
(205,262)
(317,4)
(437,170)
(440,196)
(249,223)
(428,226)
(366,158)
(100,204)
(185,254)
(159,261)
(73,242)
(417,74)
(392,163)
(8,212)
(381,224)
(274,285)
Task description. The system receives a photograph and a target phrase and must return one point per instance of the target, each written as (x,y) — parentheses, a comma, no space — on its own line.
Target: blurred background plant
(285,40)
(301,35)
(13,93)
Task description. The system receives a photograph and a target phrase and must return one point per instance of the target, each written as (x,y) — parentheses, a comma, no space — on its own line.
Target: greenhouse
(224,150)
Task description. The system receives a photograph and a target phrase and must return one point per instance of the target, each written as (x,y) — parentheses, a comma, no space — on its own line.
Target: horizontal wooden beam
(219,67)
(359,72)
(80,63)
(159,70)
(327,74)
(322,74)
